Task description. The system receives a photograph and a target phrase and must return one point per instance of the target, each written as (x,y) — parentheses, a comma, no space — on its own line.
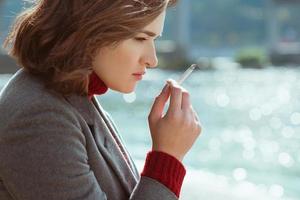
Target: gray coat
(64,148)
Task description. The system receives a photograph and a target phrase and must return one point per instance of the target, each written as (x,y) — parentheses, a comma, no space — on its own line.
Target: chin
(128,91)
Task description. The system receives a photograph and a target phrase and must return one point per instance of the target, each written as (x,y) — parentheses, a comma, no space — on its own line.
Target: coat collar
(94,115)
(83,106)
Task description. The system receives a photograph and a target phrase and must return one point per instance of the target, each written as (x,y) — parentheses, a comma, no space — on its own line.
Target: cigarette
(187,73)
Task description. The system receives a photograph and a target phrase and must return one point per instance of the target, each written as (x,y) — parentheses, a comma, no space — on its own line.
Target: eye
(140,39)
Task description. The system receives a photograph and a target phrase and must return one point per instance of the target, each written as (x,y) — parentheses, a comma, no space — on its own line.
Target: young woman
(56,141)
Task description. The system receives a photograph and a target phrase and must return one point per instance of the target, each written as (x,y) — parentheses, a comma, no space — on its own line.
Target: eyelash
(141,39)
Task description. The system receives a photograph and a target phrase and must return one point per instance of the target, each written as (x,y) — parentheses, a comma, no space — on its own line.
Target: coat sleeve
(150,189)
(43,156)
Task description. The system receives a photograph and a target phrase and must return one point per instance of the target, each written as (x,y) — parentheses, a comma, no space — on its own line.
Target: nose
(150,58)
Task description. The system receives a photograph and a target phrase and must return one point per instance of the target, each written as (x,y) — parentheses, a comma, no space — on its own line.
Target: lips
(139,73)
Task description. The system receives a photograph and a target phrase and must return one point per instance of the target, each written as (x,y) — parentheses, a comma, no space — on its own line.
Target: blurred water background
(249,148)
(250,144)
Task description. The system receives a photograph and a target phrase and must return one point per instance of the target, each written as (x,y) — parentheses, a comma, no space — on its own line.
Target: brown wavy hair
(58,39)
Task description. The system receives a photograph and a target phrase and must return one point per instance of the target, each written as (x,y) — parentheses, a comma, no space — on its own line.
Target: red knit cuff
(166,169)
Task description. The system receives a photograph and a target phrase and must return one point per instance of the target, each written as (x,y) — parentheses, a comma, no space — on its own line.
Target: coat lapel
(114,133)
(93,114)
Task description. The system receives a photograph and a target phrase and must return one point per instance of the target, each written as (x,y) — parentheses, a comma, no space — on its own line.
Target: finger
(185,104)
(196,117)
(175,97)
(159,103)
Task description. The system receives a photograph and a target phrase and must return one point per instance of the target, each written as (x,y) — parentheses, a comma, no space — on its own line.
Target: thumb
(159,103)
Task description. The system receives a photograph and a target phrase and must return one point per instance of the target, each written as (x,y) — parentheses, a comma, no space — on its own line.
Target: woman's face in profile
(119,66)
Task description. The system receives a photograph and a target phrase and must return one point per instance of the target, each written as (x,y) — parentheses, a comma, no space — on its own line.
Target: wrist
(173,154)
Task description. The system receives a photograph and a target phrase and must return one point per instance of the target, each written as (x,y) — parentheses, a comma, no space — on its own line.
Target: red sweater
(159,165)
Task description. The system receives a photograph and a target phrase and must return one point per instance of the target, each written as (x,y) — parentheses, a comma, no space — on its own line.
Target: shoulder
(24,88)
(25,97)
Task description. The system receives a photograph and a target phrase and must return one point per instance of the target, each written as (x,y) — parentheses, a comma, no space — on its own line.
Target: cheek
(128,60)
(116,66)
(130,51)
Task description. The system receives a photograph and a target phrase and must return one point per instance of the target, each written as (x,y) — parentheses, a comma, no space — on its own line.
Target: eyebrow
(150,33)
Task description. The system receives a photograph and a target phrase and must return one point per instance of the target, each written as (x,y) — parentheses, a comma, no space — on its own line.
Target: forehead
(155,28)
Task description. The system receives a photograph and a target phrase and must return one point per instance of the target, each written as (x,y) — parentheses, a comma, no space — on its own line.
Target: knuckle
(174,117)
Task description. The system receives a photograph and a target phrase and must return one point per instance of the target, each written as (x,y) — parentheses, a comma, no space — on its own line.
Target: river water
(250,144)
